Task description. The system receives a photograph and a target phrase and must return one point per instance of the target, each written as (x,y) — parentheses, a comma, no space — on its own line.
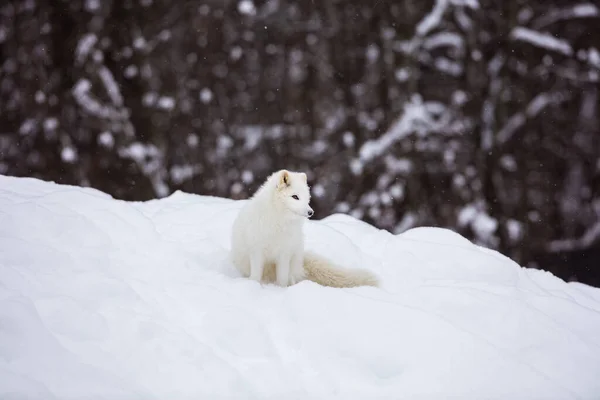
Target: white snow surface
(106,299)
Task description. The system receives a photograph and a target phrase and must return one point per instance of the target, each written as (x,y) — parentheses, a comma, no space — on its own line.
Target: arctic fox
(267,242)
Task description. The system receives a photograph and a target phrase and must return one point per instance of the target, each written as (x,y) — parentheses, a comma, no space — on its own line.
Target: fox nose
(310,213)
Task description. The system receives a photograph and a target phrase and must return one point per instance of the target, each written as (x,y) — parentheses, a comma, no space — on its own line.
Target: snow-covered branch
(86,100)
(111,86)
(542,40)
(582,10)
(84,47)
(419,117)
(535,106)
(430,23)
(83,97)
(433,19)
(150,160)
(591,236)
(443,39)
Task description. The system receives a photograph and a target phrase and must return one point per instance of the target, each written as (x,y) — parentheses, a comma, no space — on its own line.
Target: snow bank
(101,298)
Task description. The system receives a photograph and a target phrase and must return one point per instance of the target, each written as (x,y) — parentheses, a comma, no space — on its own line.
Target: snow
(418,117)
(594,57)
(50,124)
(40,97)
(149,99)
(348,139)
(139,43)
(206,95)
(443,39)
(444,64)
(166,103)
(236,53)
(83,96)
(582,10)
(591,235)
(318,190)
(150,160)
(192,140)
(246,7)
(372,53)
(432,19)
(402,74)
(480,221)
(101,298)
(131,71)
(106,139)
(534,108)
(92,5)
(247,177)
(68,154)
(84,47)
(182,173)
(585,10)
(543,40)
(111,86)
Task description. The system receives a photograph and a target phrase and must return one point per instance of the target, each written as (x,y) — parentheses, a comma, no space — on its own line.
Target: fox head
(293,191)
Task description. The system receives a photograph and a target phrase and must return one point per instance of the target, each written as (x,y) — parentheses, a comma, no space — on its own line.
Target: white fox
(267,242)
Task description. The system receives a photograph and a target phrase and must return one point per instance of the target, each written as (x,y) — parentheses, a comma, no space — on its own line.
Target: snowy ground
(106,299)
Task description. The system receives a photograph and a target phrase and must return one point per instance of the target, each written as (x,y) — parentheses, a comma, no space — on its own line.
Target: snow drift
(108,299)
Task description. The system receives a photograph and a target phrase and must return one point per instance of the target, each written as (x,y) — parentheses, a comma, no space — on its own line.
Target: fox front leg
(283,270)
(297,268)
(257,266)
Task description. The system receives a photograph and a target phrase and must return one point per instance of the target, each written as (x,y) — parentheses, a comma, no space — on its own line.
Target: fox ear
(304,177)
(284,179)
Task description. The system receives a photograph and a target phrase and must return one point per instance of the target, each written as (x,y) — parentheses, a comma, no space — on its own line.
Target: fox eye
(295,197)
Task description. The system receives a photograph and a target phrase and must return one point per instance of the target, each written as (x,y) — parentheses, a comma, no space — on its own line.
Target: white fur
(267,242)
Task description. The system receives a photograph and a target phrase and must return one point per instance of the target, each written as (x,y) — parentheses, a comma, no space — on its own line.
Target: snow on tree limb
(535,106)
(83,97)
(434,18)
(424,39)
(582,10)
(444,39)
(84,47)
(150,160)
(590,236)
(417,117)
(111,86)
(474,4)
(86,100)
(593,57)
(543,40)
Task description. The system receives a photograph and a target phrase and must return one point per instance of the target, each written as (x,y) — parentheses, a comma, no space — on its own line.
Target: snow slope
(104,299)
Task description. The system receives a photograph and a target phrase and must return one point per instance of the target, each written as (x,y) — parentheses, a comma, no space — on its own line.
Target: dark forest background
(480,116)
